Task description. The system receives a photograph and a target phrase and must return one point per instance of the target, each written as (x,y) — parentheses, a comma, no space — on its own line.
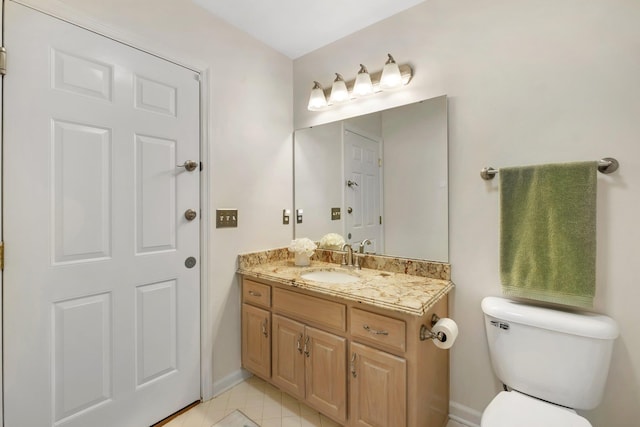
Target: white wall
(250,126)
(532,81)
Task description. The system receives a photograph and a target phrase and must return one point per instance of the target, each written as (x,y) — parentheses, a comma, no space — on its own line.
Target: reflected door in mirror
(362,189)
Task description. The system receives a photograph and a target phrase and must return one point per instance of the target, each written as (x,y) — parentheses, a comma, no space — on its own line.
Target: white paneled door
(362,191)
(101,306)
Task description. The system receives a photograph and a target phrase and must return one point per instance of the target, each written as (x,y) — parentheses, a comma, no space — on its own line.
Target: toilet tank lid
(581,323)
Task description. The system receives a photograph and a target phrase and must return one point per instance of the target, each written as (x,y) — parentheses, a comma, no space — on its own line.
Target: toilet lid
(509,406)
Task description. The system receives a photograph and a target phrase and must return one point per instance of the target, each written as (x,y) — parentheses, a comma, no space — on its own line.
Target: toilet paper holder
(427,334)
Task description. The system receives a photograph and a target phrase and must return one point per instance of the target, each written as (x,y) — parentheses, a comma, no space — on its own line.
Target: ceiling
(297,27)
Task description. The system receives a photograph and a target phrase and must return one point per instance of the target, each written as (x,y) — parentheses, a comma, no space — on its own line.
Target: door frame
(57,9)
(1,223)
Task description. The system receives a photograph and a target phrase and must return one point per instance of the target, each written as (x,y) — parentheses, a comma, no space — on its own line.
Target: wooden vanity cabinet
(256,328)
(378,387)
(256,340)
(310,364)
(288,356)
(359,364)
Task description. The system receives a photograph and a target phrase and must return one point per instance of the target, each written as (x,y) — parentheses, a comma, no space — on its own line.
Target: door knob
(190,214)
(349,209)
(190,262)
(189,165)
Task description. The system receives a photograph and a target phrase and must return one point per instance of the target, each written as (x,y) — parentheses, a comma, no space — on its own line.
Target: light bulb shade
(317,100)
(391,77)
(363,85)
(339,91)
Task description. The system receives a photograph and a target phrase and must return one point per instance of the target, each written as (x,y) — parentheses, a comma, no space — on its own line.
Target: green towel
(548,232)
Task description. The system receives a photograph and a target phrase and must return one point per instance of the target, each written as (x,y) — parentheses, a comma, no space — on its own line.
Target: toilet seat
(511,408)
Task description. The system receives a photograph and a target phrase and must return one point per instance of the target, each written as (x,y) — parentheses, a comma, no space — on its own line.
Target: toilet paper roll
(449,330)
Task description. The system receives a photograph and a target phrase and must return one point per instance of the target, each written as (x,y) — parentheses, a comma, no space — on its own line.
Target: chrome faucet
(364,242)
(347,256)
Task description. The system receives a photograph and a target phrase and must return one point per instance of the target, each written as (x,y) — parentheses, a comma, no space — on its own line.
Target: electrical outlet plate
(226,218)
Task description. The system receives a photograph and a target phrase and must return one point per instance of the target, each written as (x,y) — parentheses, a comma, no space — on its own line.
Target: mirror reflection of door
(362,191)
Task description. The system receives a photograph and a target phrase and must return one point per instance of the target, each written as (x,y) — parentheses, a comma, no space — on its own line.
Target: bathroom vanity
(353,351)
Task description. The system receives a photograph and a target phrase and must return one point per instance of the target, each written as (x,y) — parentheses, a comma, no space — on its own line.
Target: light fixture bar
(405,71)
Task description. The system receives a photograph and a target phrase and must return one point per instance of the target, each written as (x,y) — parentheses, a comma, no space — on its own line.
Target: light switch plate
(226,218)
(335,214)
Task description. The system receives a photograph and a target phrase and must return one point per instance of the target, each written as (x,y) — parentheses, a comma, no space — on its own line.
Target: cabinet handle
(373,331)
(255,294)
(299,344)
(306,350)
(353,365)
(265,332)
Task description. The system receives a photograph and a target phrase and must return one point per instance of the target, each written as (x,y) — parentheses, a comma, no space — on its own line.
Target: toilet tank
(558,356)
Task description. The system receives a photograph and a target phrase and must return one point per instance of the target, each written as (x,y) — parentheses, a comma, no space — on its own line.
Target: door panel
(81,181)
(256,340)
(101,315)
(378,388)
(326,373)
(84,76)
(155,96)
(362,196)
(288,357)
(155,194)
(156,329)
(83,371)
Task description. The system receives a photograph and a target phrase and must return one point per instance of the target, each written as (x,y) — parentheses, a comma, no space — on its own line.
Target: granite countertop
(400,292)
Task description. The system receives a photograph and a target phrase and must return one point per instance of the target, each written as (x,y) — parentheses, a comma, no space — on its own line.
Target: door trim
(1,223)
(59,10)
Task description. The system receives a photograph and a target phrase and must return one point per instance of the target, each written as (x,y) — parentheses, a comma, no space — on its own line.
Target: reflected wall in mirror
(386,172)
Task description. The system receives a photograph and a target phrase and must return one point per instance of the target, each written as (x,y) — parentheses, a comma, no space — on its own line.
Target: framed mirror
(381,177)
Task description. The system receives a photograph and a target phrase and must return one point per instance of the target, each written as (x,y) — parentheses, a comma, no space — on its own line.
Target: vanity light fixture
(339,91)
(317,100)
(391,77)
(363,85)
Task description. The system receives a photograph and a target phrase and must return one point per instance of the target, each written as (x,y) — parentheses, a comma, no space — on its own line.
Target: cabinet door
(256,340)
(326,373)
(378,388)
(288,356)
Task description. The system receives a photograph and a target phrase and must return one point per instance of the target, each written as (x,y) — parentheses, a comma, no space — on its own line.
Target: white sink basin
(329,276)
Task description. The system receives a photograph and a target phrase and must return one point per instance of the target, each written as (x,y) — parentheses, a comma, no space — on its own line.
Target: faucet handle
(356,262)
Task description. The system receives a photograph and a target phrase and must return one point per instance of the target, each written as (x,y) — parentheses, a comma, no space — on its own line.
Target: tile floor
(260,401)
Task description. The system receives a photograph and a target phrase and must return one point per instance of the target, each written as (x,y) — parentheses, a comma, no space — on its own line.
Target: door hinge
(380,219)
(1,256)
(3,61)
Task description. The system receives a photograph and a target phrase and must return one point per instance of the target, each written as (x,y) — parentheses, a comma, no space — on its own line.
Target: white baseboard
(229,381)
(464,415)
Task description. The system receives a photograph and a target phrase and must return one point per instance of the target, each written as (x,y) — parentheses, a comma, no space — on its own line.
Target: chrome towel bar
(606,165)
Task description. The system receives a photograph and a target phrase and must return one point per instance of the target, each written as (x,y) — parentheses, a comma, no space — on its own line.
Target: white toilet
(552,361)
